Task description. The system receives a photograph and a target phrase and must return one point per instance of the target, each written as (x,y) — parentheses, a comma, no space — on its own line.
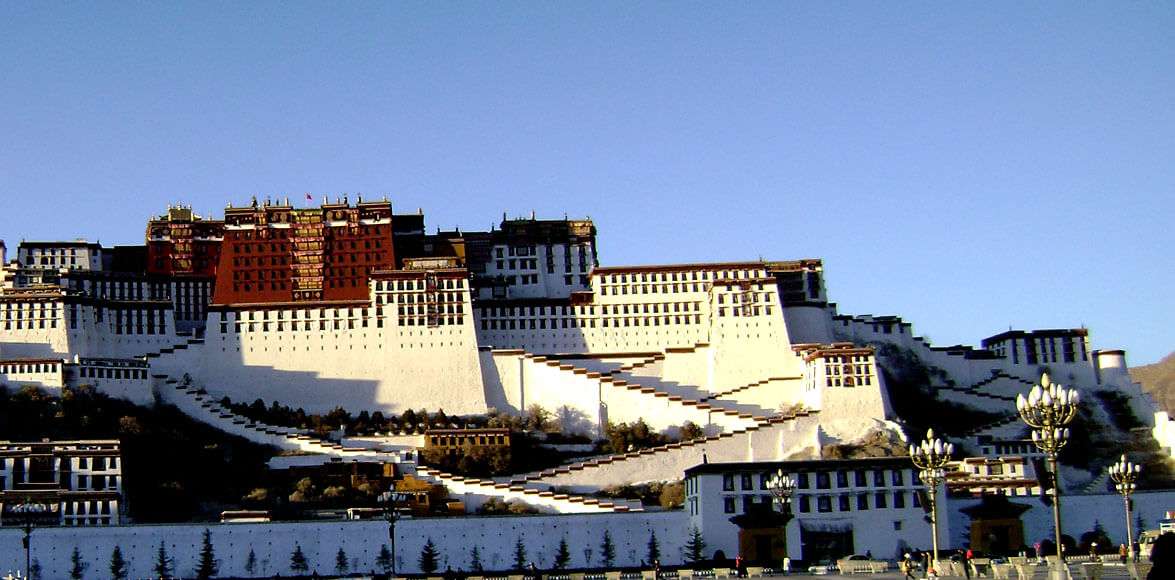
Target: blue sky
(966,166)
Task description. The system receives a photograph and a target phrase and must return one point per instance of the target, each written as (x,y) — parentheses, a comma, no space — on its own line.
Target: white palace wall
(273,543)
(354,362)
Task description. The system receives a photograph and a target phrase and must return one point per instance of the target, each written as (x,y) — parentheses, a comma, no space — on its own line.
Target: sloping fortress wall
(411,345)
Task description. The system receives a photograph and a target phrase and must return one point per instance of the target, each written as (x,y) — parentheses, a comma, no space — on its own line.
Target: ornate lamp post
(391,500)
(782,487)
(29,511)
(1047,409)
(929,457)
(1124,474)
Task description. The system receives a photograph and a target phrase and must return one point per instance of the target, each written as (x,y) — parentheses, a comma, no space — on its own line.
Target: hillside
(1158,380)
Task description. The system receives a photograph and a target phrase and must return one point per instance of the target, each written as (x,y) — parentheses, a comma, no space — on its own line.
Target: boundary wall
(273,543)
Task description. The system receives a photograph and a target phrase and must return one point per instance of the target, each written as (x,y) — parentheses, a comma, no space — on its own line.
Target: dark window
(822,480)
(862,502)
(748,503)
(878,478)
(880,500)
(747,482)
(728,482)
(824,503)
(802,480)
(842,479)
(805,504)
(897,477)
(899,499)
(728,505)
(844,503)
(861,480)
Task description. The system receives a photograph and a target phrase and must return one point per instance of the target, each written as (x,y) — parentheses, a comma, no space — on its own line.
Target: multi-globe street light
(929,457)
(1125,474)
(782,487)
(29,512)
(1047,409)
(391,501)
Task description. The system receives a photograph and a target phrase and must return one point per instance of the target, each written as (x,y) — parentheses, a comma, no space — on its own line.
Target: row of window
(553,323)
(414,285)
(117,374)
(692,275)
(829,503)
(823,479)
(25,368)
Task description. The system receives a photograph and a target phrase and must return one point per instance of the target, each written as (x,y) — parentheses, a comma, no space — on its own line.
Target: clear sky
(968,166)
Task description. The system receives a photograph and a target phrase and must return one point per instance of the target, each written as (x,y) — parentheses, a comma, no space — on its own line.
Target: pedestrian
(1123,553)
(786,565)
(907,567)
(967,556)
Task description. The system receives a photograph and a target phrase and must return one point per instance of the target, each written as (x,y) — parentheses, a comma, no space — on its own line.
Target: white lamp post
(1047,409)
(782,487)
(929,457)
(1124,473)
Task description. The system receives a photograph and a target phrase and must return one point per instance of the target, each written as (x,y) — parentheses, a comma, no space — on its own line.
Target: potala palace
(355,305)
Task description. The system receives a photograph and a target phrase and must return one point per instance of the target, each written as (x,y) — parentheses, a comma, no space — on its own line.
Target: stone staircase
(729,414)
(670,460)
(730,392)
(543,499)
(206,409)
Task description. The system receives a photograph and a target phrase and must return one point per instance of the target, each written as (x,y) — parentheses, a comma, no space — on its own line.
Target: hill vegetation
(174,468)
(1158,380)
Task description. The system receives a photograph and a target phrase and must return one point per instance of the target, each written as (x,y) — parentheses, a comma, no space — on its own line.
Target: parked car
(857,563)
(822,567)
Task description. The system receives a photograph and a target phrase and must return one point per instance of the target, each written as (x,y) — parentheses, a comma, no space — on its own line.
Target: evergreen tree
(77,567)
(562,555)
(654,549)
(162,566)
(475,560)
(695,548)
(428,557)
(251,562)
(608,550)
(519,554)
(117,565)
(207,566)
(341,561)
(298,561)
(384,560)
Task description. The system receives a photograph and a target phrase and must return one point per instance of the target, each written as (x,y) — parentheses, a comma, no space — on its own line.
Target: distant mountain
(1158,380)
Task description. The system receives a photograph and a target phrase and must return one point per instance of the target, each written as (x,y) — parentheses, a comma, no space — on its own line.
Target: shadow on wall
(304,389)
(15,350)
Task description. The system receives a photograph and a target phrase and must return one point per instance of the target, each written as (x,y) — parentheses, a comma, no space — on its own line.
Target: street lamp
(1047,409)
(782,487)
(929,457)
(391,499)
(29,511)
(1124,474)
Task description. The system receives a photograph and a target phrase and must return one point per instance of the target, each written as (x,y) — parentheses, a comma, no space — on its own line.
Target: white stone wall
(873,529)
(1079,513)
(352,362)
(274,543)
(45,374)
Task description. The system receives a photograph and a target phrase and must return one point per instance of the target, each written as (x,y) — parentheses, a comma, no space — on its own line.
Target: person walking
(907,567)
(1123,553)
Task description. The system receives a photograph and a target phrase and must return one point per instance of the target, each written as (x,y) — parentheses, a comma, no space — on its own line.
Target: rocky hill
(1158,380)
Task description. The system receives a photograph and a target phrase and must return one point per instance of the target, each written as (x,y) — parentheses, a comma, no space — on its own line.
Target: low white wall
(274,543)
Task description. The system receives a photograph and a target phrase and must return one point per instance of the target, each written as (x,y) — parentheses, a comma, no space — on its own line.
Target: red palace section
(278,253)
